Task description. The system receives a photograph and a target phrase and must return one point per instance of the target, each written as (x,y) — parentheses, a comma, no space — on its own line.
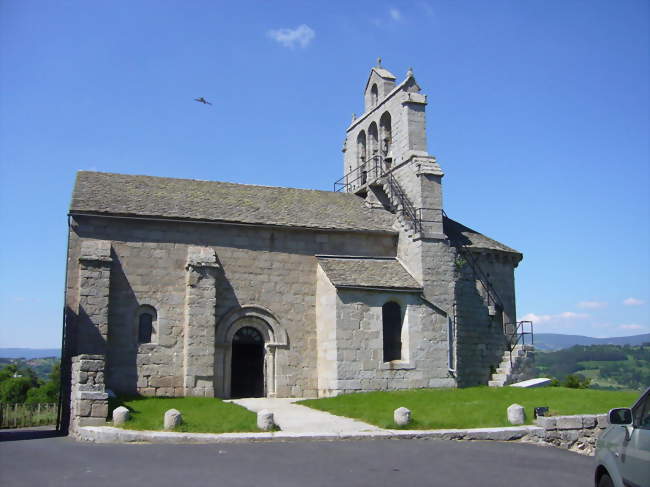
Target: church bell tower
(385,154)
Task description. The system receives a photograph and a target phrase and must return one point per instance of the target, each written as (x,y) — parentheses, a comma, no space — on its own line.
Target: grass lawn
(474,407)
(200,414)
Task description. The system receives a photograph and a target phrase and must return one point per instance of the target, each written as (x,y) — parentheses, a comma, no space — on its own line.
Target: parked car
(623,449)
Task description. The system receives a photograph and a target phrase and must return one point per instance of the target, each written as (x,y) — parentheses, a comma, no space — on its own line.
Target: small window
(374,95)
(145,321)
(392,327)
(145,328)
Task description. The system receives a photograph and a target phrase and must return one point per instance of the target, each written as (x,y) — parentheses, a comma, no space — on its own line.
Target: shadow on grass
(116,402)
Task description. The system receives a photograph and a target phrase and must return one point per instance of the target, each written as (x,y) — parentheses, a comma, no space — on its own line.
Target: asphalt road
(38,460)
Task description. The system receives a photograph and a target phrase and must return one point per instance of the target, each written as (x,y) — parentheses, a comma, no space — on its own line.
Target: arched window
(361,147)
(391,314)
(374,95)
(146,324)
(386,140)
(373,135)
(386,133)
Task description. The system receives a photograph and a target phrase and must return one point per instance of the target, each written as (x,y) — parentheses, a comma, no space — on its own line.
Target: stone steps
(506,367)
(397,208)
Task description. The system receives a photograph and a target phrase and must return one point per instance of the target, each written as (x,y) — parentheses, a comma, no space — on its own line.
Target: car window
(641,413)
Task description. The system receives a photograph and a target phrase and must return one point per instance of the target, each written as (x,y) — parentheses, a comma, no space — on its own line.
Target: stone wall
(326,335)
(576,433)
(407,111)
(480,336)
(359,353)
(274,269)
(88,399)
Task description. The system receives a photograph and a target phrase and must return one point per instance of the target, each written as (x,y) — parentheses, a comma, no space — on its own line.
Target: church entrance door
(247,366)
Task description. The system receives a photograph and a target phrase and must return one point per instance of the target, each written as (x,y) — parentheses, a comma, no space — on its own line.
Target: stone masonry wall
(202,272)
(89,401)
(272,268)
(576,433)
(326,335)
(360,365)
(407,127)
(480,337)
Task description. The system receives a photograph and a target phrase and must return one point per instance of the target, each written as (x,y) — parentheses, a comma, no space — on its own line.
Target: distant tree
(15,389)
(576,381)
(16,382)
(48,392)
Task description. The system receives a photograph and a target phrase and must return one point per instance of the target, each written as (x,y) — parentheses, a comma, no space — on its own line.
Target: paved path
(63,462)
(294,418)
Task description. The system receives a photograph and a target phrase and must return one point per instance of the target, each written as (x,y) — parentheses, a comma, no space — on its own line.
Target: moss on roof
(367,272)
(149,196)
(459,234)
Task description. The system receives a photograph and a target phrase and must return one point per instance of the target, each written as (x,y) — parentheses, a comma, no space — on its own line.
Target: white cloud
(572,315)
(633,302)
(632,326)
(536,318)
(301,36)
(566,315)
(592,304)
(395,14)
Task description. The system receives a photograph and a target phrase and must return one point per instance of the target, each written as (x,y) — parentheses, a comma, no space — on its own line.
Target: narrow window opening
(145,328)
(392,328)
(374,95)
(386,139)
(361,156)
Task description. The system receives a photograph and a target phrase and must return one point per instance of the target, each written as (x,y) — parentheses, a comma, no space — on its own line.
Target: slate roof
(149,196)
(459,234)
(367,272)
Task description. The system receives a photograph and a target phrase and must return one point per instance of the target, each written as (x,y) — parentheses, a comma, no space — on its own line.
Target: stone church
(181,287)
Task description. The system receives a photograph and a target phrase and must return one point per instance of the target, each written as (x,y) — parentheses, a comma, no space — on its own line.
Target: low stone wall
(88,399)
(576,433)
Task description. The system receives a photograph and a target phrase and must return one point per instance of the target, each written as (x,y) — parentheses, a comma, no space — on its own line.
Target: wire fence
(24,415)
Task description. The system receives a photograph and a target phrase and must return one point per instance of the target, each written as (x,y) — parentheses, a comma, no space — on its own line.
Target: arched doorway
(247,366)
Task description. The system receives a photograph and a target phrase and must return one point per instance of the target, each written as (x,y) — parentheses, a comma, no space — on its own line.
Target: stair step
(495,383)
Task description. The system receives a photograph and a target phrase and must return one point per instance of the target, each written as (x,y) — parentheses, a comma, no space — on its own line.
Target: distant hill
(558,341)
(29,353)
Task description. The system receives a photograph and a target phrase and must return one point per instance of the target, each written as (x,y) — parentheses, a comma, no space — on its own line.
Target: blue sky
(538,113)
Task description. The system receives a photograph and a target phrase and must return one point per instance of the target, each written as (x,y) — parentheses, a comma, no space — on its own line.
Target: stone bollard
(265,420)
(516,414)
(120,415)
(402,416)
(173,418)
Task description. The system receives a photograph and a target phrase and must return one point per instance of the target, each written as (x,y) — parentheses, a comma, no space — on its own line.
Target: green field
(615,367)
(475,407)
(200,414)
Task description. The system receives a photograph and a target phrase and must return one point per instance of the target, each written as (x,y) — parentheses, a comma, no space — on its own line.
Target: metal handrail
(367,172)
(517,335)
(407,208)
(492,295)
(372,170)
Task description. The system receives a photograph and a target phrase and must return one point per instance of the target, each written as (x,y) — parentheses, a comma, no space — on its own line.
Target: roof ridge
(354,257)
(148,176)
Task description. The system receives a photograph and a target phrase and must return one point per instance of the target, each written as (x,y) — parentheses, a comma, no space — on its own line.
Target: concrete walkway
(294,418)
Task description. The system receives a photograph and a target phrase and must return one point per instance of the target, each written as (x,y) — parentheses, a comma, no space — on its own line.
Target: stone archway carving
(264,321)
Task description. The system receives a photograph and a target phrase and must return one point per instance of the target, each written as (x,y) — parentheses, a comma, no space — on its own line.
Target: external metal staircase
(406,212)
(376,172)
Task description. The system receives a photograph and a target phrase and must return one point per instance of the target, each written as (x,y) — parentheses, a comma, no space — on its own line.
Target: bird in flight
(202,100)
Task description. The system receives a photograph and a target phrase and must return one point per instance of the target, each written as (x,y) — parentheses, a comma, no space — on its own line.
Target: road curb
(109,434)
